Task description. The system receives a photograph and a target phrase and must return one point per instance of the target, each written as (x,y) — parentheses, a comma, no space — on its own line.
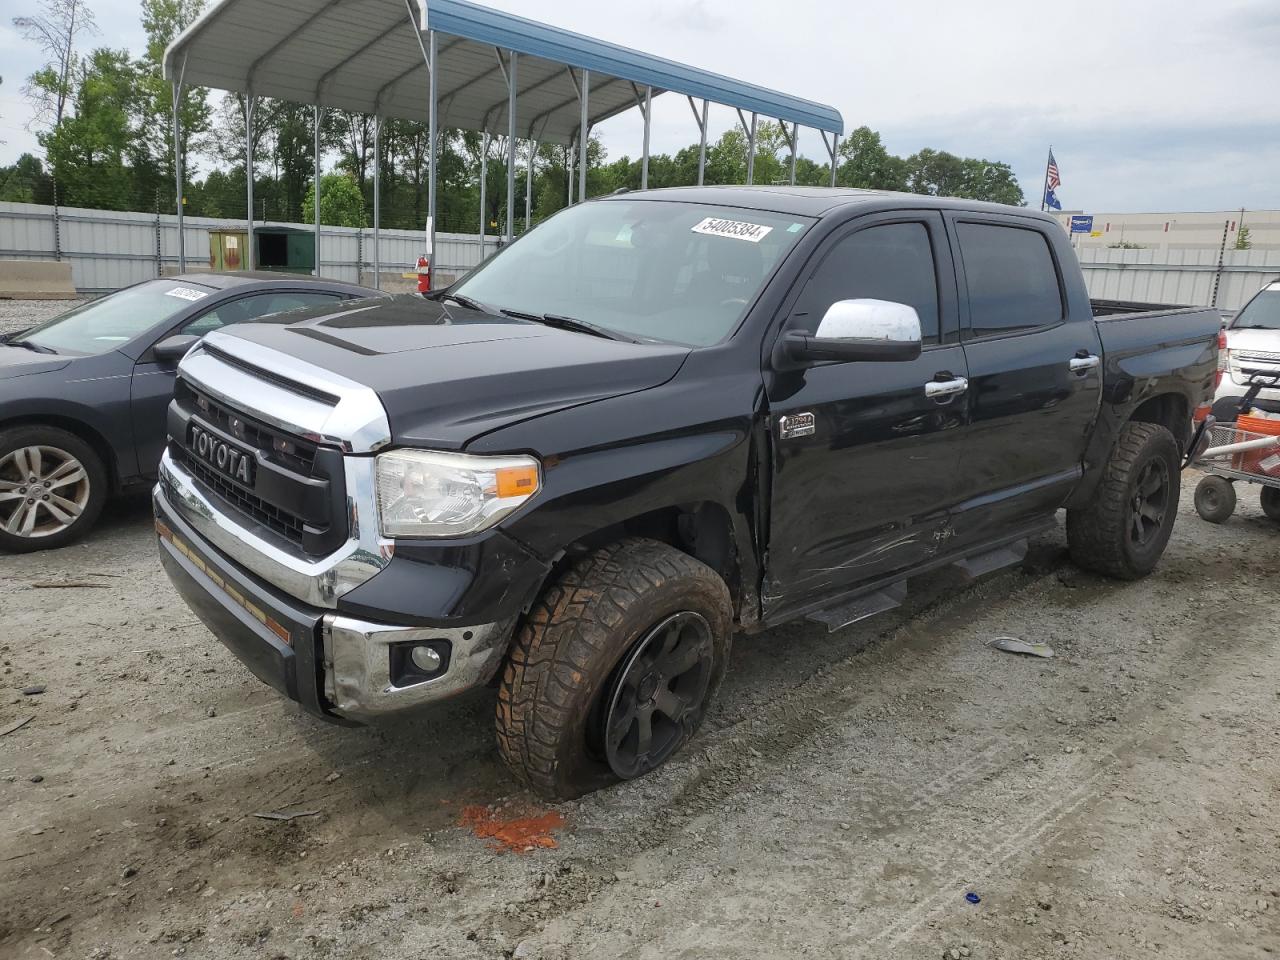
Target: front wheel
(52,488)
(1215,499)
(1122,533)
(613,669)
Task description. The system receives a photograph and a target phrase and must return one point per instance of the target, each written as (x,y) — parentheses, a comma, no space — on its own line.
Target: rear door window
(1012,281)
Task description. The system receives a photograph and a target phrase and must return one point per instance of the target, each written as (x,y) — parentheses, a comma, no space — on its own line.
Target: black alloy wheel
(658,690)
(1149,503)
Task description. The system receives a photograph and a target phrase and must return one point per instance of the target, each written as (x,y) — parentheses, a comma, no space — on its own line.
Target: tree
(865,163)
(163,20)
(56,28)
(24,182)
(341,204)
(1244,240)
(94,151)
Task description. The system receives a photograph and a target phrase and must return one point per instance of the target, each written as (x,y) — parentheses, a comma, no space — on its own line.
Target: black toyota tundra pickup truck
(656,420)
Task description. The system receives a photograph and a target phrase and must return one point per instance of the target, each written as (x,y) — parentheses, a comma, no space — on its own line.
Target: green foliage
(1244,240)
(341,204)
(25,182)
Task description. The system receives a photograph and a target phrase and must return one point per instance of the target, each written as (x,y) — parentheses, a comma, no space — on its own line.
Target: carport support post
(511,145)
(702,142)
(835,147)
(177,170)
(751,150)
(249,253)
(644,162)
(528,186)
(795,136)
(315,122)
(584,135)
(432,136)
(377,201)
(484,189)
(568,166)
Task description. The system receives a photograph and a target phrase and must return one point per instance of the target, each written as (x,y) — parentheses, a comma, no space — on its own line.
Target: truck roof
(819,201)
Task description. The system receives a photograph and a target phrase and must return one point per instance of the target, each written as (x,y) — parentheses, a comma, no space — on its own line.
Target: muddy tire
(1215,499)
(588,660)
(52,488)
(1271,502)
(1122,533)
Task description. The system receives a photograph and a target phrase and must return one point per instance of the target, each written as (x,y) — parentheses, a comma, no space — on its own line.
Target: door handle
(1079,364)
(942,389)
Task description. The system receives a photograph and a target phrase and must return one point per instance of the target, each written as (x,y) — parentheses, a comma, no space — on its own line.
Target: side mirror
(859,330)
(172,349)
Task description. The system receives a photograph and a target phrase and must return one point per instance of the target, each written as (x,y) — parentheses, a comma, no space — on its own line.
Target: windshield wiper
(464,301)
(27,344)
(570,323)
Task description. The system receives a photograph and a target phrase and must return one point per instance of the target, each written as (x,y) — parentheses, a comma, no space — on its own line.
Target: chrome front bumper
(357,664)
(246,573)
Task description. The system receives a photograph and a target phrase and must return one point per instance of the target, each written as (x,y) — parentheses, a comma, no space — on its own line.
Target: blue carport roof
(365,56)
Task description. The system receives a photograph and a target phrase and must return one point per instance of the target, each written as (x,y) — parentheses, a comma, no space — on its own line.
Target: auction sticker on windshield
(736,229)
(185,293)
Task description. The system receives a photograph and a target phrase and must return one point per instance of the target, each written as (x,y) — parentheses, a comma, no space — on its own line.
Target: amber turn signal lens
(517,481)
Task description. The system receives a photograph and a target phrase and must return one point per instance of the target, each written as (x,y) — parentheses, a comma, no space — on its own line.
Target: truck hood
(1260,341)
(447,374)
(20,362)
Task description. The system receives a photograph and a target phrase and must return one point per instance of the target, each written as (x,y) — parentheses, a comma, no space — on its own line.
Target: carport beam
(528,186)
(484,189)
(315,123)
(584,135)
(702,142)
(249,258)
(432,136)
(644,163)
(511,146)
(377,201)
(177,170)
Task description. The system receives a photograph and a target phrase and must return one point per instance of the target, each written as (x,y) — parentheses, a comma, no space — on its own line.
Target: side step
(860,608)
(980,564)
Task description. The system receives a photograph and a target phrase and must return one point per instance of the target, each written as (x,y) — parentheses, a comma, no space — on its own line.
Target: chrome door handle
(941,389)
(1081,364)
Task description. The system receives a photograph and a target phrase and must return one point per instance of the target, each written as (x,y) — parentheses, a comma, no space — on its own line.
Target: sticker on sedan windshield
(185,293)
(716,227)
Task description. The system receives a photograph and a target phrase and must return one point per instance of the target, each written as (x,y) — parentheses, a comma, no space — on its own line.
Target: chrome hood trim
(288,393)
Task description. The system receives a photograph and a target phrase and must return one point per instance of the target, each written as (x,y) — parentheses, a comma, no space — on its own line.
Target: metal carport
(480,70)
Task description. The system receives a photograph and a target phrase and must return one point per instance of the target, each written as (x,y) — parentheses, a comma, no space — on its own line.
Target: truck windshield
(650,269)
(108,322)
(1261,313)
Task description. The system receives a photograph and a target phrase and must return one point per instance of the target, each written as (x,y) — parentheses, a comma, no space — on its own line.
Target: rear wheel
(1271,502)
(613,669)
(1215,499)
(1123,532)
(52,488)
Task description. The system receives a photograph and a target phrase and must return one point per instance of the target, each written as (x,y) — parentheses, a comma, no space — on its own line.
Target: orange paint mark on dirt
(513,834)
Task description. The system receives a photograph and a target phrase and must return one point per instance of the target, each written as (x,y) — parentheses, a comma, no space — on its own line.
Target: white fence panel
(109,249)
(1183,276)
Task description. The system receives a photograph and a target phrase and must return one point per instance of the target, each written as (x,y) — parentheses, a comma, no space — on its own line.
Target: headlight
(426,494)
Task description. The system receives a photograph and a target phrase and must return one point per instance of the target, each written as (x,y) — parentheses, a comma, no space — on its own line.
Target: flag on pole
(1052,181)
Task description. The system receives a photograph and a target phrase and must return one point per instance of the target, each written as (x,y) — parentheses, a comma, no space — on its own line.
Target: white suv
(1253,347)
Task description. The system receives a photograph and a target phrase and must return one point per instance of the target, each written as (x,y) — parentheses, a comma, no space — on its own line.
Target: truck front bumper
(336,667)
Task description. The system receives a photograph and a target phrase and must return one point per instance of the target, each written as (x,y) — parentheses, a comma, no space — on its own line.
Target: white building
(1178,231)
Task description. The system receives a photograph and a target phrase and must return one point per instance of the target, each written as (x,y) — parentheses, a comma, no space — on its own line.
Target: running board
(860,608)
(979,565)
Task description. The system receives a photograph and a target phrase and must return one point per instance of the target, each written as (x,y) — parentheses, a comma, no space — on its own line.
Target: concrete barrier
(36,280)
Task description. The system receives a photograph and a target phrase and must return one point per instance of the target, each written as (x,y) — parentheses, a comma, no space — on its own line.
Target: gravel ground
(19,314)
(1121,800)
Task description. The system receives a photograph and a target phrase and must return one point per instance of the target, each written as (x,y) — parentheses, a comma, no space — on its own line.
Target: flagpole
(1044,187)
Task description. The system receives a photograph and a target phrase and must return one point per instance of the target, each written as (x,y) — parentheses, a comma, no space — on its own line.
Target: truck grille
(1244,365)
(298,487)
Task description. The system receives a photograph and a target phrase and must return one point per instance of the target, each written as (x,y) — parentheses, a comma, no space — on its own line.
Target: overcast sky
(1150,105)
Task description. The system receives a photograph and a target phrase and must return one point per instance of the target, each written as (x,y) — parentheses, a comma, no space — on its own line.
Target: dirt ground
(1121,800)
